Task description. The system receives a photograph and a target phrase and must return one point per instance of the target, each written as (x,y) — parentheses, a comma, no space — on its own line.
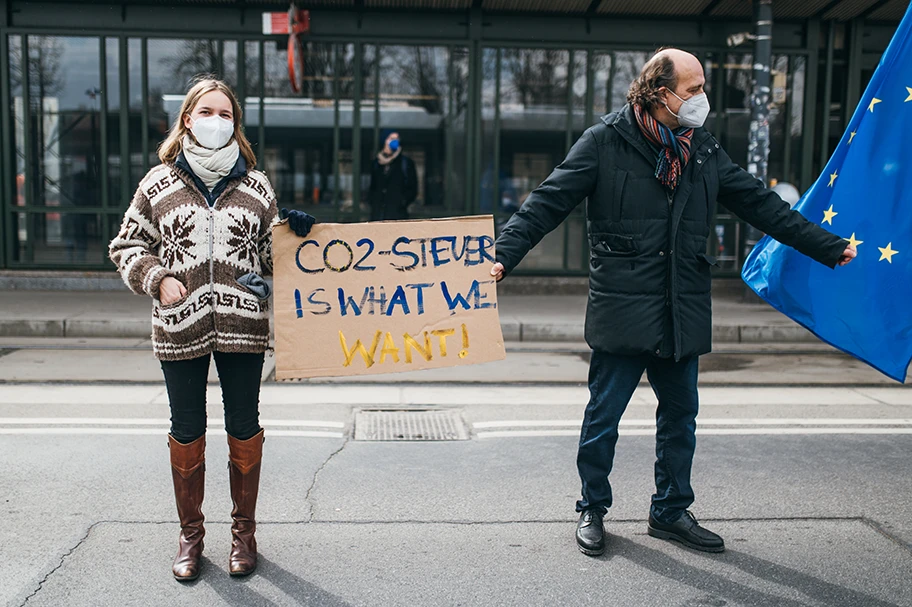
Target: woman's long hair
(171,146)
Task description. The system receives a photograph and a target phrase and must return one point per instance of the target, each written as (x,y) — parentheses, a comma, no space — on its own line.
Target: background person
(394,182)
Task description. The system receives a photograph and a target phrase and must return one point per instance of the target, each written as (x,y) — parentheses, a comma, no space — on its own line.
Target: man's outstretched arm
(745,196)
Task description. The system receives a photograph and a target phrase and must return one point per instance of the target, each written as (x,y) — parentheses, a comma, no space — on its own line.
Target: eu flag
(865,196)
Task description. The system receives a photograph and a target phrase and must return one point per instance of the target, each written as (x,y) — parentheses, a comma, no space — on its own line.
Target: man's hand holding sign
(357,299)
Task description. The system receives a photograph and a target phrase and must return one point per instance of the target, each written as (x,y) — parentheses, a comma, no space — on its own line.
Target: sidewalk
(524,318)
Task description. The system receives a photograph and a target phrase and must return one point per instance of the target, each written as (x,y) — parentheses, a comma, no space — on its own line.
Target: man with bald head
(651,175)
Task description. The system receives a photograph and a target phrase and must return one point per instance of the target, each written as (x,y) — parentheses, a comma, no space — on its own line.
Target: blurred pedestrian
(394,181)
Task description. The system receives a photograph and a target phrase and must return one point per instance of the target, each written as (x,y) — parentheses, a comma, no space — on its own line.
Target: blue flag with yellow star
(865,196)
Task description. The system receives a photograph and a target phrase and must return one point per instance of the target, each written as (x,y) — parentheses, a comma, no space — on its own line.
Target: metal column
(758,147)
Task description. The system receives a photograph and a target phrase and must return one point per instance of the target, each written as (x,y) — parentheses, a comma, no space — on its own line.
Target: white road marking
(773,431)
(135,421)
(155,432)
(802,421)
(703,432)
(490,429)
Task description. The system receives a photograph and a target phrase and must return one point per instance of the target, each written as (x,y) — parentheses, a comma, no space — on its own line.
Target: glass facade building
(487,95)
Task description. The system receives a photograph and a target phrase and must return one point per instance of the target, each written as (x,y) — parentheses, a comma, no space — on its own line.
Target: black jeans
(239,375)
(612,380)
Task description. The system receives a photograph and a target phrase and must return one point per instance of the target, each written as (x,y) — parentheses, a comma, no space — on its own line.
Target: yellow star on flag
(833,178)
(887,252)
(828,215)
(874,102)
(909,98)
(851,137)
(853,241)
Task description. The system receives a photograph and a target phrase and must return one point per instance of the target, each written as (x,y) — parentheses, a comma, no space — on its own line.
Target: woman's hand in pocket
(170,291)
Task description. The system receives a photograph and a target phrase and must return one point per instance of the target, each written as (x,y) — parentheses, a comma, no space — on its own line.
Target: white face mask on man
(212,132)
(693,111)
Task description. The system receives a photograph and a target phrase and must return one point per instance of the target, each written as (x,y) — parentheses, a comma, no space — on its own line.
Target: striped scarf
(673,147)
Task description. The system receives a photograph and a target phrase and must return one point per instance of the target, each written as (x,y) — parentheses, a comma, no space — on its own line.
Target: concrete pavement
(513,563)
(807,485)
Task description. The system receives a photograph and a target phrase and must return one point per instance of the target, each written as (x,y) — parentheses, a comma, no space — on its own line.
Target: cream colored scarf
(210,165)
(385,159)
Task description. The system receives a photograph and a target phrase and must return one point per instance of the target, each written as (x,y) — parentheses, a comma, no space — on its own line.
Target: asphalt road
(810,487)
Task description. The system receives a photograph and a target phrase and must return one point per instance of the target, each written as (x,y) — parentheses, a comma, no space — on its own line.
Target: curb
(513,330)
(32,328)
(76,328)
(758,334)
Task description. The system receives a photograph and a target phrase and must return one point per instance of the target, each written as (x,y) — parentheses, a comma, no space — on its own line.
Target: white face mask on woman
(693,112)
(212,132)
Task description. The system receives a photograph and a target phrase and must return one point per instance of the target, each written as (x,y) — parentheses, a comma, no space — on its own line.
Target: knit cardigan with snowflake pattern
(170,230)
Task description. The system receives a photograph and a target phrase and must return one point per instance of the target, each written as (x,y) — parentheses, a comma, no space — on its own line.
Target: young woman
(197,239)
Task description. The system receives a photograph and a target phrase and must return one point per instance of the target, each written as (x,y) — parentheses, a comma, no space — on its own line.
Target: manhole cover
(409,425)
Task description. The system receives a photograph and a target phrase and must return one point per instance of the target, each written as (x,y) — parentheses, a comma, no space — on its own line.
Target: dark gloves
(255,284)
(299,221)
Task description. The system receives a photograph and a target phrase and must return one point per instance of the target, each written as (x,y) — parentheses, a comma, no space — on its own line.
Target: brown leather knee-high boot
(244,459)
(188,471)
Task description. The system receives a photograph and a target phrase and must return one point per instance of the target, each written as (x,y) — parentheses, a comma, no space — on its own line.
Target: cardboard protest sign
(385,297)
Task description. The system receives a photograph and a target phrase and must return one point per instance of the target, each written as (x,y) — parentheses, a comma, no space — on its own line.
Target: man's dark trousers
(612,381)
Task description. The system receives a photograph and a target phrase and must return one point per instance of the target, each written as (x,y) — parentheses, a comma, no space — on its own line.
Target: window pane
(299,127)
(252,102)
(116,198)
(134,56)
(778,119)
(786,118)
(455,182)
(18,120)
(59,238)
(346,94)
(135,125)
(252,68)
(726,247)
(712,72)
(736,105)
(579,93)
(627,67)
(414,91)
(175,64)
(64,130)
(601,84)
(533,111)
(490,189)
(317,63)
(229,63)
(369,135)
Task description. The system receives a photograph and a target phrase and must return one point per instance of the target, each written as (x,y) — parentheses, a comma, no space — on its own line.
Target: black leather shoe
(590,532)
(687,531)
